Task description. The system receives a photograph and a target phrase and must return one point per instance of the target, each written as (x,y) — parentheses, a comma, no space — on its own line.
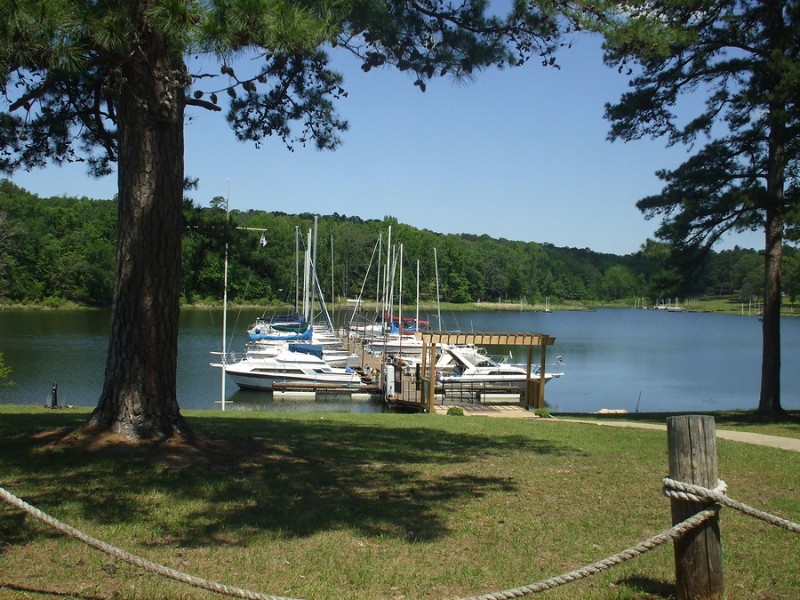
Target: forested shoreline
(62,250)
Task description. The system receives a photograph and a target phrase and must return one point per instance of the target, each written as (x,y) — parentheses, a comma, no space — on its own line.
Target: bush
(543,413)
(455,411)
(5,372)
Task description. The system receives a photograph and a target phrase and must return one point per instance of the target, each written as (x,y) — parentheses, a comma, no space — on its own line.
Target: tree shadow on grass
(653,588)
(292,477)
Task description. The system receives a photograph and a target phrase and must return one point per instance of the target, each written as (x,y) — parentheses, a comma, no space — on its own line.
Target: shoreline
(713,306)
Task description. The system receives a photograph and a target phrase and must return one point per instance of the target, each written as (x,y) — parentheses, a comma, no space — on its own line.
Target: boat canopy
(310,349)
(285,336)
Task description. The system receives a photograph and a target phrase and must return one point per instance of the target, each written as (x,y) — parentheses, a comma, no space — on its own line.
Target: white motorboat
(471,366)
(297,363)
(395,343)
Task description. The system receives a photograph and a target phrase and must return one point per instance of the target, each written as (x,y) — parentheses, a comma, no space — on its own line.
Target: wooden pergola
(534,388)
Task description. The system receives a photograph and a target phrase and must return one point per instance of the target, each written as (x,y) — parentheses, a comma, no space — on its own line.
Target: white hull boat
(460,366)
(295,364)
(407,345)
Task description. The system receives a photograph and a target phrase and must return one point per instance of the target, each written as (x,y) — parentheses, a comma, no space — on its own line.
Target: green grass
(373,506)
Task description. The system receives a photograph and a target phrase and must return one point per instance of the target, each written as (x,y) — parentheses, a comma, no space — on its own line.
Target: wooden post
(432,379)
(542,366)
(530,394)
(422,376)
(698,554)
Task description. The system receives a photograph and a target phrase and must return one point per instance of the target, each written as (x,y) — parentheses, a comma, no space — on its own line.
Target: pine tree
(743,59)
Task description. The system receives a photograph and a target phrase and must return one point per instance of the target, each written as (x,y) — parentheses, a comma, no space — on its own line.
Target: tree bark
(770,400)
(139,397)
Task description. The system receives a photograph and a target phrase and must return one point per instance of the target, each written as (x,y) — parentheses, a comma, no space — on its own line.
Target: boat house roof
(486,339)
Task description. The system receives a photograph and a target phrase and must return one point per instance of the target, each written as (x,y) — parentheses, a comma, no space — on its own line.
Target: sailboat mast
(297,269)
(438,307)
(379,269)
(400,303)
(313,271)
(225,303)
(400,290)
(416,314)
(387,303)
(307,280)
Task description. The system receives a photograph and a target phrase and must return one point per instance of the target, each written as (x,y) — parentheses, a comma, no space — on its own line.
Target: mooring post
(698,554)
(52,399)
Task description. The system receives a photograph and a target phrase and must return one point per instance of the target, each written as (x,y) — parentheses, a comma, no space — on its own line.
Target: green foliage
(62,250)
(745,176)
(455,411)
(542,413)
(5,372)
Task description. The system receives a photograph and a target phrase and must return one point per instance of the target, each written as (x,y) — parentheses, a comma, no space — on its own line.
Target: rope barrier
(696,493)
(672,533)
(130,558)
(672,489)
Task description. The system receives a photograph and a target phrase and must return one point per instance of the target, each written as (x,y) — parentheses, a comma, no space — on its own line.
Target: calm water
(620,359)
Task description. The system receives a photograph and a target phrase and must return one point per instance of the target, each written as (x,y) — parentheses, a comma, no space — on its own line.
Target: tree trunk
(770,400)
(139,397)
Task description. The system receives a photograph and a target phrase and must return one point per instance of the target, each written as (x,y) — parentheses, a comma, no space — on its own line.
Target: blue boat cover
(310,349)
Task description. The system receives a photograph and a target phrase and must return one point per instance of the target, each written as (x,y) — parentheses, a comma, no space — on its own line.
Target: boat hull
(265,381)
(253,376)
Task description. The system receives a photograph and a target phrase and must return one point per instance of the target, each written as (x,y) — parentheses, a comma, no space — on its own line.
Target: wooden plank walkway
(489,410)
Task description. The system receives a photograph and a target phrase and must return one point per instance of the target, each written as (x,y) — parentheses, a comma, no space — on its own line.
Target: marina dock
(411,384)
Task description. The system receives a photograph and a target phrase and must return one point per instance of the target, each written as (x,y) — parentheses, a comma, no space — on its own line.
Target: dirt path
(509,411)
(745,437)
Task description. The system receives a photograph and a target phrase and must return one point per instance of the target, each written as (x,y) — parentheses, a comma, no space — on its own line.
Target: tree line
(61,249)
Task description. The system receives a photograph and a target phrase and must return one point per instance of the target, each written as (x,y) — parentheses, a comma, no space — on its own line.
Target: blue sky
(519,154)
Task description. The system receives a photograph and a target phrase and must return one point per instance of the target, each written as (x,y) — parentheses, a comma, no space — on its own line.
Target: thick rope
(699,494)
(673,489)
(130,558)
(672,533)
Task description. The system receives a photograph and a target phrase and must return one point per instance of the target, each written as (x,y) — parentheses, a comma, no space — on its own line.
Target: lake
(645,360)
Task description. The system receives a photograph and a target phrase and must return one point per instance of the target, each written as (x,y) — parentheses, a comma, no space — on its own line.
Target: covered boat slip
(533,389)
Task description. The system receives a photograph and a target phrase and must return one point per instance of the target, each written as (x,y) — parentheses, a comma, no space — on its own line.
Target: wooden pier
(416,388)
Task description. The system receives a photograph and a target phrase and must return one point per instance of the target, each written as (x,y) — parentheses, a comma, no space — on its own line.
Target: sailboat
(224,353)
(399,333)
(294,358)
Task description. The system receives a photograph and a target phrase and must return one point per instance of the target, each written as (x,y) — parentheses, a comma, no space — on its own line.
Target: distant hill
(63,249)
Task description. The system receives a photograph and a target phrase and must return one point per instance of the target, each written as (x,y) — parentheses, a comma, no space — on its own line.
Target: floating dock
(371,391)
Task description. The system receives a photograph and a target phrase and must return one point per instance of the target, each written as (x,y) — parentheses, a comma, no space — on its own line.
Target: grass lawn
(372,506)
